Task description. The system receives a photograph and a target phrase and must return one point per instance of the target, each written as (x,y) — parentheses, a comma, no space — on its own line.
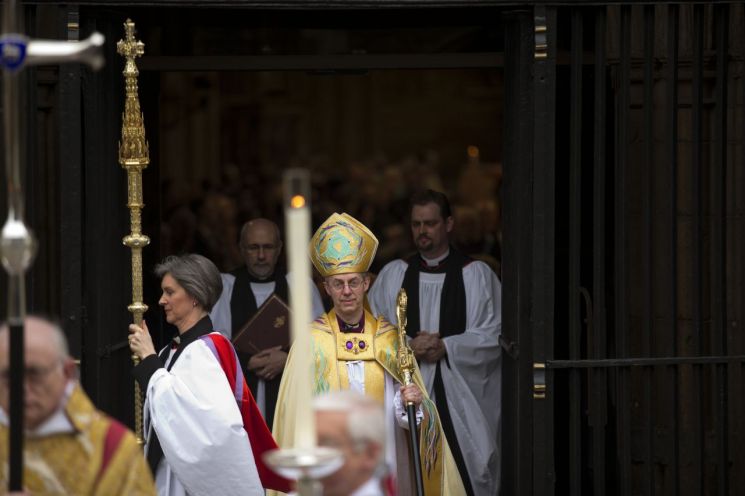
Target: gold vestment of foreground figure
(102,457)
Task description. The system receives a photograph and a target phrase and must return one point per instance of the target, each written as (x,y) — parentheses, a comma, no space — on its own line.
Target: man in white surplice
(244,290)
(454,322)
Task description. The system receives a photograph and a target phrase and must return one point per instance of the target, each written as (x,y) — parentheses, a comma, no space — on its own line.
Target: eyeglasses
(352,284)
(33,375)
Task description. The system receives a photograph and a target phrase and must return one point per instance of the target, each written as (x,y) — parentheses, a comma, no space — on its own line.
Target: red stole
(259,434)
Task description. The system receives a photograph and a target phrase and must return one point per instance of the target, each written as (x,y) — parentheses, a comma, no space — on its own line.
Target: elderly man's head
(347,292)
(48,369)
(260,247)
(355,425)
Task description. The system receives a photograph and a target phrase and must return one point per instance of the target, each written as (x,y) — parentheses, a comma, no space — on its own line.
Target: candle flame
(297,201)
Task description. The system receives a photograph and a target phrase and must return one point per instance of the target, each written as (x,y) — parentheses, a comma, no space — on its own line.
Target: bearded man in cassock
(454,322)
(245,289)
(204,434)
(69,447)
(352,349)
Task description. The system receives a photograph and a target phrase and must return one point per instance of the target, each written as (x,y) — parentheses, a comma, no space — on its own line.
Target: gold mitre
(342,245)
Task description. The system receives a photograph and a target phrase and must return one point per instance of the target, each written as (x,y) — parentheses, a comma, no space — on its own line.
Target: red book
(268,328)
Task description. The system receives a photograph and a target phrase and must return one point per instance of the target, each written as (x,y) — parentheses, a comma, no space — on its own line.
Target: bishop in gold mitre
(353,349)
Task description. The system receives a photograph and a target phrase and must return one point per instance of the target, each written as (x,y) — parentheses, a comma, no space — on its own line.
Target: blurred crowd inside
(206,218)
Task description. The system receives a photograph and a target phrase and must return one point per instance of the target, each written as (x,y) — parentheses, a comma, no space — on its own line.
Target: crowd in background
(206,218)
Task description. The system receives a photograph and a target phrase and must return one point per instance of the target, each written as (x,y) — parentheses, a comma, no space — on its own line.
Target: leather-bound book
(268,328)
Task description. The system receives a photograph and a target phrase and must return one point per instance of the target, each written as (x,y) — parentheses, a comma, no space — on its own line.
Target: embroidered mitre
(342,245)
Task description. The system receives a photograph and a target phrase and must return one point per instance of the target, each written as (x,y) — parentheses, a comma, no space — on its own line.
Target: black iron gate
(624,281)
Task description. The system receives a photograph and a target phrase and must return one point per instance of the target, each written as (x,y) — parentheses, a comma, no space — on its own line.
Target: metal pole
(411,411)
(17,243)
(17,246)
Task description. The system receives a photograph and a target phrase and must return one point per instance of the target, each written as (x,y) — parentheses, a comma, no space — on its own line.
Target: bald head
(355,425)
(259,224)
(39,332)
(260,247)
(48,369)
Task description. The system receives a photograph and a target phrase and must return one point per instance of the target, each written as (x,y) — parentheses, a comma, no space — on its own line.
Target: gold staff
(134,156)
(405,355)
(406,366)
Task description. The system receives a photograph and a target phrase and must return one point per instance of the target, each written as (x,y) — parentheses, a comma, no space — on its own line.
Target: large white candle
(297,225)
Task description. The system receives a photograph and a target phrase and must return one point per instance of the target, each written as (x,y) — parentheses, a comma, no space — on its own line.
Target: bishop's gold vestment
(377,347)
(101,457)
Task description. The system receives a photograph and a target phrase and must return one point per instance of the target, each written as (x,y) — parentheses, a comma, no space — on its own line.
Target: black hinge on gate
(539,381)
(541,36)
(73,24)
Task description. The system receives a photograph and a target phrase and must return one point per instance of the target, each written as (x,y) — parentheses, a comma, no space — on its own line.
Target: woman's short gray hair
(196,274)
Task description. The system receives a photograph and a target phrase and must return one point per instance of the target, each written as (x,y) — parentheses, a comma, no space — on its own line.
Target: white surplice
(206,450)
(472,381)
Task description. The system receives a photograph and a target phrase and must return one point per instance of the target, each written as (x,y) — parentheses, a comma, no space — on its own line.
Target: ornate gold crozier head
(342,245)
(401,303)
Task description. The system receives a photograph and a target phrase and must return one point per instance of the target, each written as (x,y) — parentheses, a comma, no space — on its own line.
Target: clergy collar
(358,327)
(435,265)
(434,262)
(204,326)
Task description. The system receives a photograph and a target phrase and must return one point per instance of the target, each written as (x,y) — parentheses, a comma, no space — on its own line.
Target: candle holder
(305,465)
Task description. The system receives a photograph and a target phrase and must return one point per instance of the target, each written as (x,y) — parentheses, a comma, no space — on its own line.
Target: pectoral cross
(17,242)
